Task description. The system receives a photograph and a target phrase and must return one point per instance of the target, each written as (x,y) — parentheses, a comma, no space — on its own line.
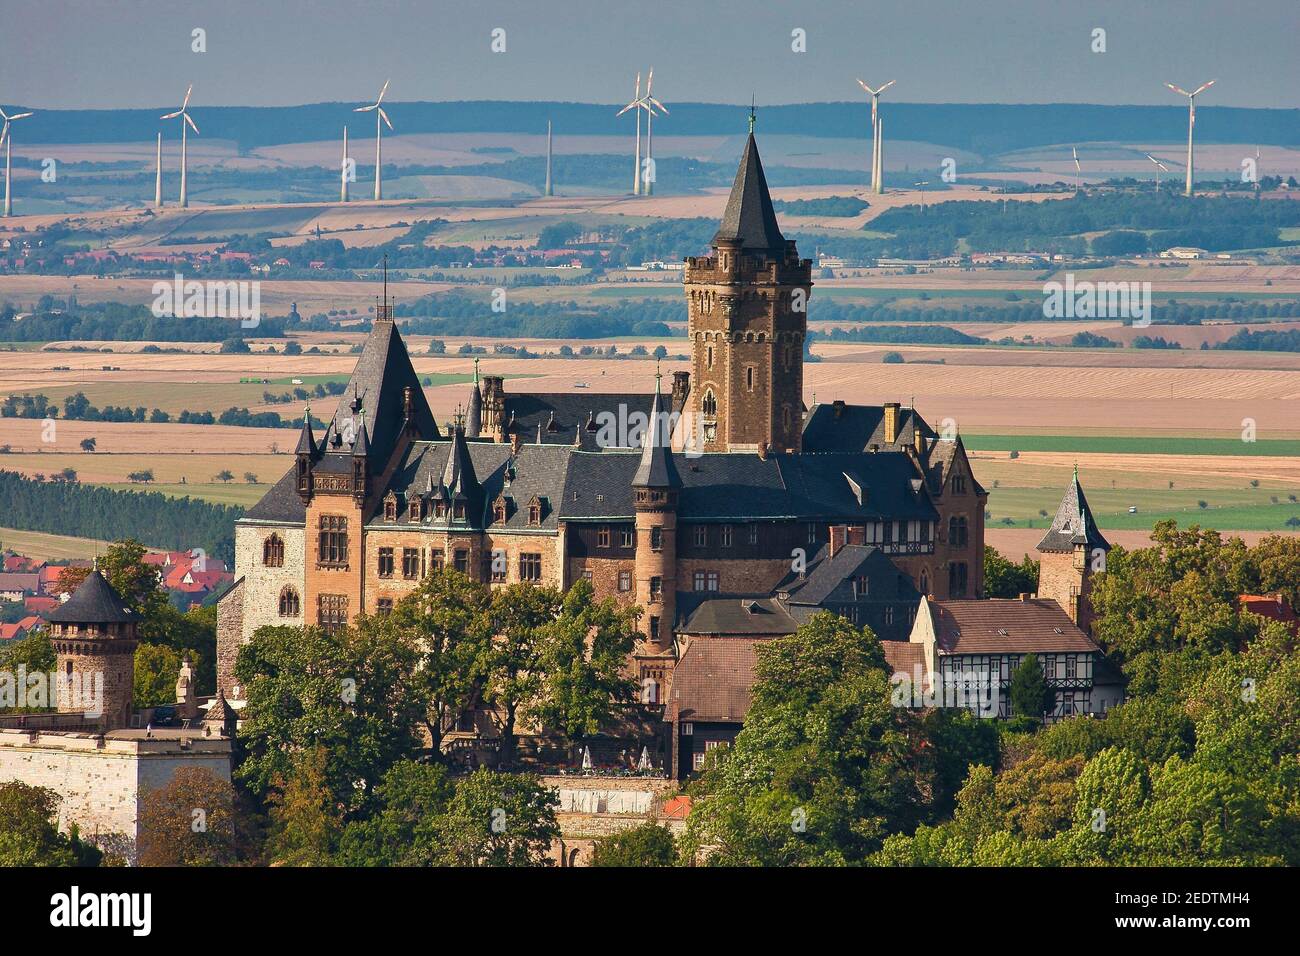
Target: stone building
(718,487)
(1071,553)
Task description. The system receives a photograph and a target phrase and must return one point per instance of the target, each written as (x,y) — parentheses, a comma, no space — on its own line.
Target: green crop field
(1133,445)
(49,547)
(1247,509)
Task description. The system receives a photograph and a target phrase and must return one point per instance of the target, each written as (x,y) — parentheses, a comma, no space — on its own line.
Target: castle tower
(94,635)
(747,311)
(1071,552)
(655,487)
(493,422)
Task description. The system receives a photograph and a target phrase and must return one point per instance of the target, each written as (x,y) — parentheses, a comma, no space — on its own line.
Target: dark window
(812,533)
(530,567)
(725,534)
(602,536)
(414,512)
(701,536)
(959,484)
(656,538)
(629,537)
(625,580)
(333,547)
(290,605)
(461,560)
(957,535)
(749,377)
(384,606)
(410,563)
(710,404)
(385,562)
(957,579)
(753,534)
(713,581)
(656,588)
(332,611)
(698,581)
(654,628)
(273,552)
(436,559)
(390,510)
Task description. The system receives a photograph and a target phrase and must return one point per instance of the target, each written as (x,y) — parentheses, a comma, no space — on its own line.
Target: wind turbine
(636,162)
(7,138)
(877,143)
(549,190)
(379,133)
(343,186)
(1191,122)
(185,121)
(1078,170)
(157,183)
(1159,166)
(650,104)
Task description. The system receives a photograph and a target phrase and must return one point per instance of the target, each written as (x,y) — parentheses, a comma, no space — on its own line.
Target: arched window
(290,606)
(273,552)
(925,582)
(710,404)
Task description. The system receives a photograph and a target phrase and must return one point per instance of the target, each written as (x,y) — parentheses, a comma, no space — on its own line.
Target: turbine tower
(379,134)
(343,175)
(1159,166)
(1078,170)
(1191,123)
(636,161)
(877,138)
(185,120)
(650,104)
(157,183)
(7,138)
(549,190)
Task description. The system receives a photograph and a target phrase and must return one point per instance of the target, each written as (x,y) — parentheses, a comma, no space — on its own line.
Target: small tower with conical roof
(655,489)
(474,409)
(306,454)
(747,309)
(1071,552)
(95,635)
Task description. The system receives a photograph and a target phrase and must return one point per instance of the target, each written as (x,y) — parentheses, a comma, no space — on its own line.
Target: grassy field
(1249,509)
(1132,445)
(36,544)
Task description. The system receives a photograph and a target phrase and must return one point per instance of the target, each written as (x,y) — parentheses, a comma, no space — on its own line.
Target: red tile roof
(714,679)
(1272,606)
(904,656)
(999,626)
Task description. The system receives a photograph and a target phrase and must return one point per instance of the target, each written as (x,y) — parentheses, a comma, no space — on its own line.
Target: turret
(94,635)
(306,453)
(655,489)
(1072,551)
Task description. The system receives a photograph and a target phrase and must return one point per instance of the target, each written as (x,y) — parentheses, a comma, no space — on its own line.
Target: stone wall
(102,780)
(262,584)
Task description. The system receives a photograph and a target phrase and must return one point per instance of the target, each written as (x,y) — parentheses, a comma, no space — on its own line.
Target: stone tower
(94,636)
(747,308)
(655,488)
(1071,552)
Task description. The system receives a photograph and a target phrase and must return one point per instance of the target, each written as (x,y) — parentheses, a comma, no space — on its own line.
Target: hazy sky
(107,53)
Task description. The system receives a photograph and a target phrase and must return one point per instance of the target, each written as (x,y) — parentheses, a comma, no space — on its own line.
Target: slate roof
(706,612)
(377,389)
(656,468)
(713,681)
(94,602)
(566,416)
(830,579)
(281,502)
(1073,524)
(1036,625)
(841,427)
(749,216)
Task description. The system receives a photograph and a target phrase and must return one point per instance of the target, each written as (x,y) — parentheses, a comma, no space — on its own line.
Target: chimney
(763,450)
(839,538)
(681,386)
(838,406)
(891,422)
(1025,596)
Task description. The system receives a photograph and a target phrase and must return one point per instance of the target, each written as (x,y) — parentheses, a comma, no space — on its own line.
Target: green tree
(306,822)
(405,831)
(29,835)
(498,819)
(825,767)
(649,844)
(511,662)
(195,819)
(1003,579)
(1030,695)
(156,670)
(354,692)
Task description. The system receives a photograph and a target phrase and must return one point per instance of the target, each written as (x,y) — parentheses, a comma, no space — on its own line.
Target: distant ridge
(984,129)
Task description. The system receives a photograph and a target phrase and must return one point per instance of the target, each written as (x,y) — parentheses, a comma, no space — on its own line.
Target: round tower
(94,635)
(655,488)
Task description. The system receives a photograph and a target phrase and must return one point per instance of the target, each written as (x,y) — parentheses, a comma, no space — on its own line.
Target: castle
(736,510)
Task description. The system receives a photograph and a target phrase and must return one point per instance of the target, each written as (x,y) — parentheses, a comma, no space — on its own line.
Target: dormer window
(536,510)
(414,513)
(501,509)
(390,508)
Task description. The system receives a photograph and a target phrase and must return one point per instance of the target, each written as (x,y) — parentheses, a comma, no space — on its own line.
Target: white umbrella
(645,764)
(586,758)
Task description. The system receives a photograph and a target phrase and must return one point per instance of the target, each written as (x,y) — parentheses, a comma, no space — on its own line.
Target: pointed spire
(750,218)
(306,440)
(657,469)
(361,446)
(458,474)
(1074,525)
(474,412)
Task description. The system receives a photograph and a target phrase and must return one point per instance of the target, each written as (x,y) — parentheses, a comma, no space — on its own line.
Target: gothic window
(710,404)
(925,582)
(290,605)
(959,484)
(273,552)
(333,544)
(535,511)
(332,611)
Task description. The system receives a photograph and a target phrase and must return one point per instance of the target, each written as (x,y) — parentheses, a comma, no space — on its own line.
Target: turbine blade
(382,92)
(886,86)
(865,87)
(385,117)
(652,100)
(637,94)
(630,106)
(187,96)
(1205,86)
(18,116)
(1178,89)
(4,133)
(366,109)
(191,122)
(170,115)
(3,114)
